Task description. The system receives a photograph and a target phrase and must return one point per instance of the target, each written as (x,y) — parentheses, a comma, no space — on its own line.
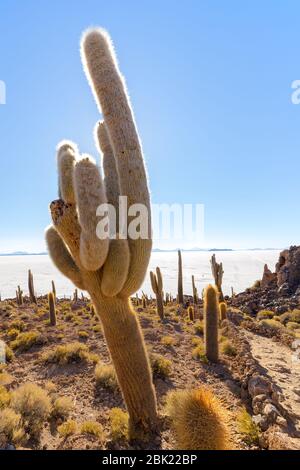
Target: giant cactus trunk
(113,269)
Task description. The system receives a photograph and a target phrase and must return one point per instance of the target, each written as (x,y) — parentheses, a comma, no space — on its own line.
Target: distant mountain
(22,253)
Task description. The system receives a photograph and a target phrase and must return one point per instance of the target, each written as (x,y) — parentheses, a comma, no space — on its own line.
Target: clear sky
(210,82)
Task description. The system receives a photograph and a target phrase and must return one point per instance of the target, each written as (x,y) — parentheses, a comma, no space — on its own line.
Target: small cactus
(195,291)
(157,286)
(223,311)
(211,321)
(217,272)
(191,313)
(31,288)
(52,309)
(53,289)
(19,296)
(180,287)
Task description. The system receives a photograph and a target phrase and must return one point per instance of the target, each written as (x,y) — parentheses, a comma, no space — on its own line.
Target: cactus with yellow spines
(180,286)
(31,287)
(223,311)
(52,309)
(157,286)
(191,313)
(211,322)
(111,270)
(217,272)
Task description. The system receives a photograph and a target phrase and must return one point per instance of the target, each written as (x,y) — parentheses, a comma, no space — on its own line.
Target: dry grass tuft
(68,353)
(247,427)
(62,407)
(67,429)
(198,419)
(119,424)
(11,430)
(25,341)
(105,376)
(161,367)
(34,405)
(93,429)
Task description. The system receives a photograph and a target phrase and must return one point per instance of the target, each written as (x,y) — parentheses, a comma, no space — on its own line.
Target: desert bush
(292,316)
(228,349)
(12,333)
(119,424)
(62,407)
(271,324)
(25,341)
(265,314)
(97,328)
(92,428)
(5,397)
(5,378)
(161,367)
(33,404)
(105,376)
(68,353)
(199,328)
(83,334)
(291,325)
(247,427)
(198,419)
(9,355)
(67,429)
(11,427)
(199,353)
(18,325)
(168,341)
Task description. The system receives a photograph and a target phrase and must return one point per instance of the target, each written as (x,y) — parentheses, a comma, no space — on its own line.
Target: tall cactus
(217,272)
(157,286)
(52,309)
(180,287)
(110,270)
(195,291)
(211,321)
(53,288)
(31,287)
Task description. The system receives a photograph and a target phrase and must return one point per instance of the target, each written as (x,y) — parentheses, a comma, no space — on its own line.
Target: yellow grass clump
(198,419)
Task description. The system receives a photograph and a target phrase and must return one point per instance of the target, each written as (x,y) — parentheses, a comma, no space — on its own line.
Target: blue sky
(210,82)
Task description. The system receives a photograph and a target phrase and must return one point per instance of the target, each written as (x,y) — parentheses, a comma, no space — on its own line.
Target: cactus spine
(211,321)
(157,286)
(223,311)
(52,309)
(180,287)
(31,288)
(217,272)
(110,270)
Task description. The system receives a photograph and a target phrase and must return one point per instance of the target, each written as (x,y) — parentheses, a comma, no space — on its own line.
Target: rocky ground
(256,379)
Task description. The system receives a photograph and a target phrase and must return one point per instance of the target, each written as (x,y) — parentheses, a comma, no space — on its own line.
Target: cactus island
(112,369)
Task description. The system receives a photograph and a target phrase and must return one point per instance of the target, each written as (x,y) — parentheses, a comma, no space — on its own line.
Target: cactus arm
(62,258)
(153,282)
(159,280)
(111,181)
(89,195)
(65,220)
(115,269)
(66,157)
(108,86)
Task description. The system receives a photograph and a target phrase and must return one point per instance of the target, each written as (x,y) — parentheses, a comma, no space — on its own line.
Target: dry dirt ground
(282,365)
(77,380)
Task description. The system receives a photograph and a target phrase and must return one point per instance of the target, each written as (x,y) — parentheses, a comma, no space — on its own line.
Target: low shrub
(105,376)
(62,407)
(69,353)
(247,427)
(67,429)
(118,424)
(161,367)
(25,341)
